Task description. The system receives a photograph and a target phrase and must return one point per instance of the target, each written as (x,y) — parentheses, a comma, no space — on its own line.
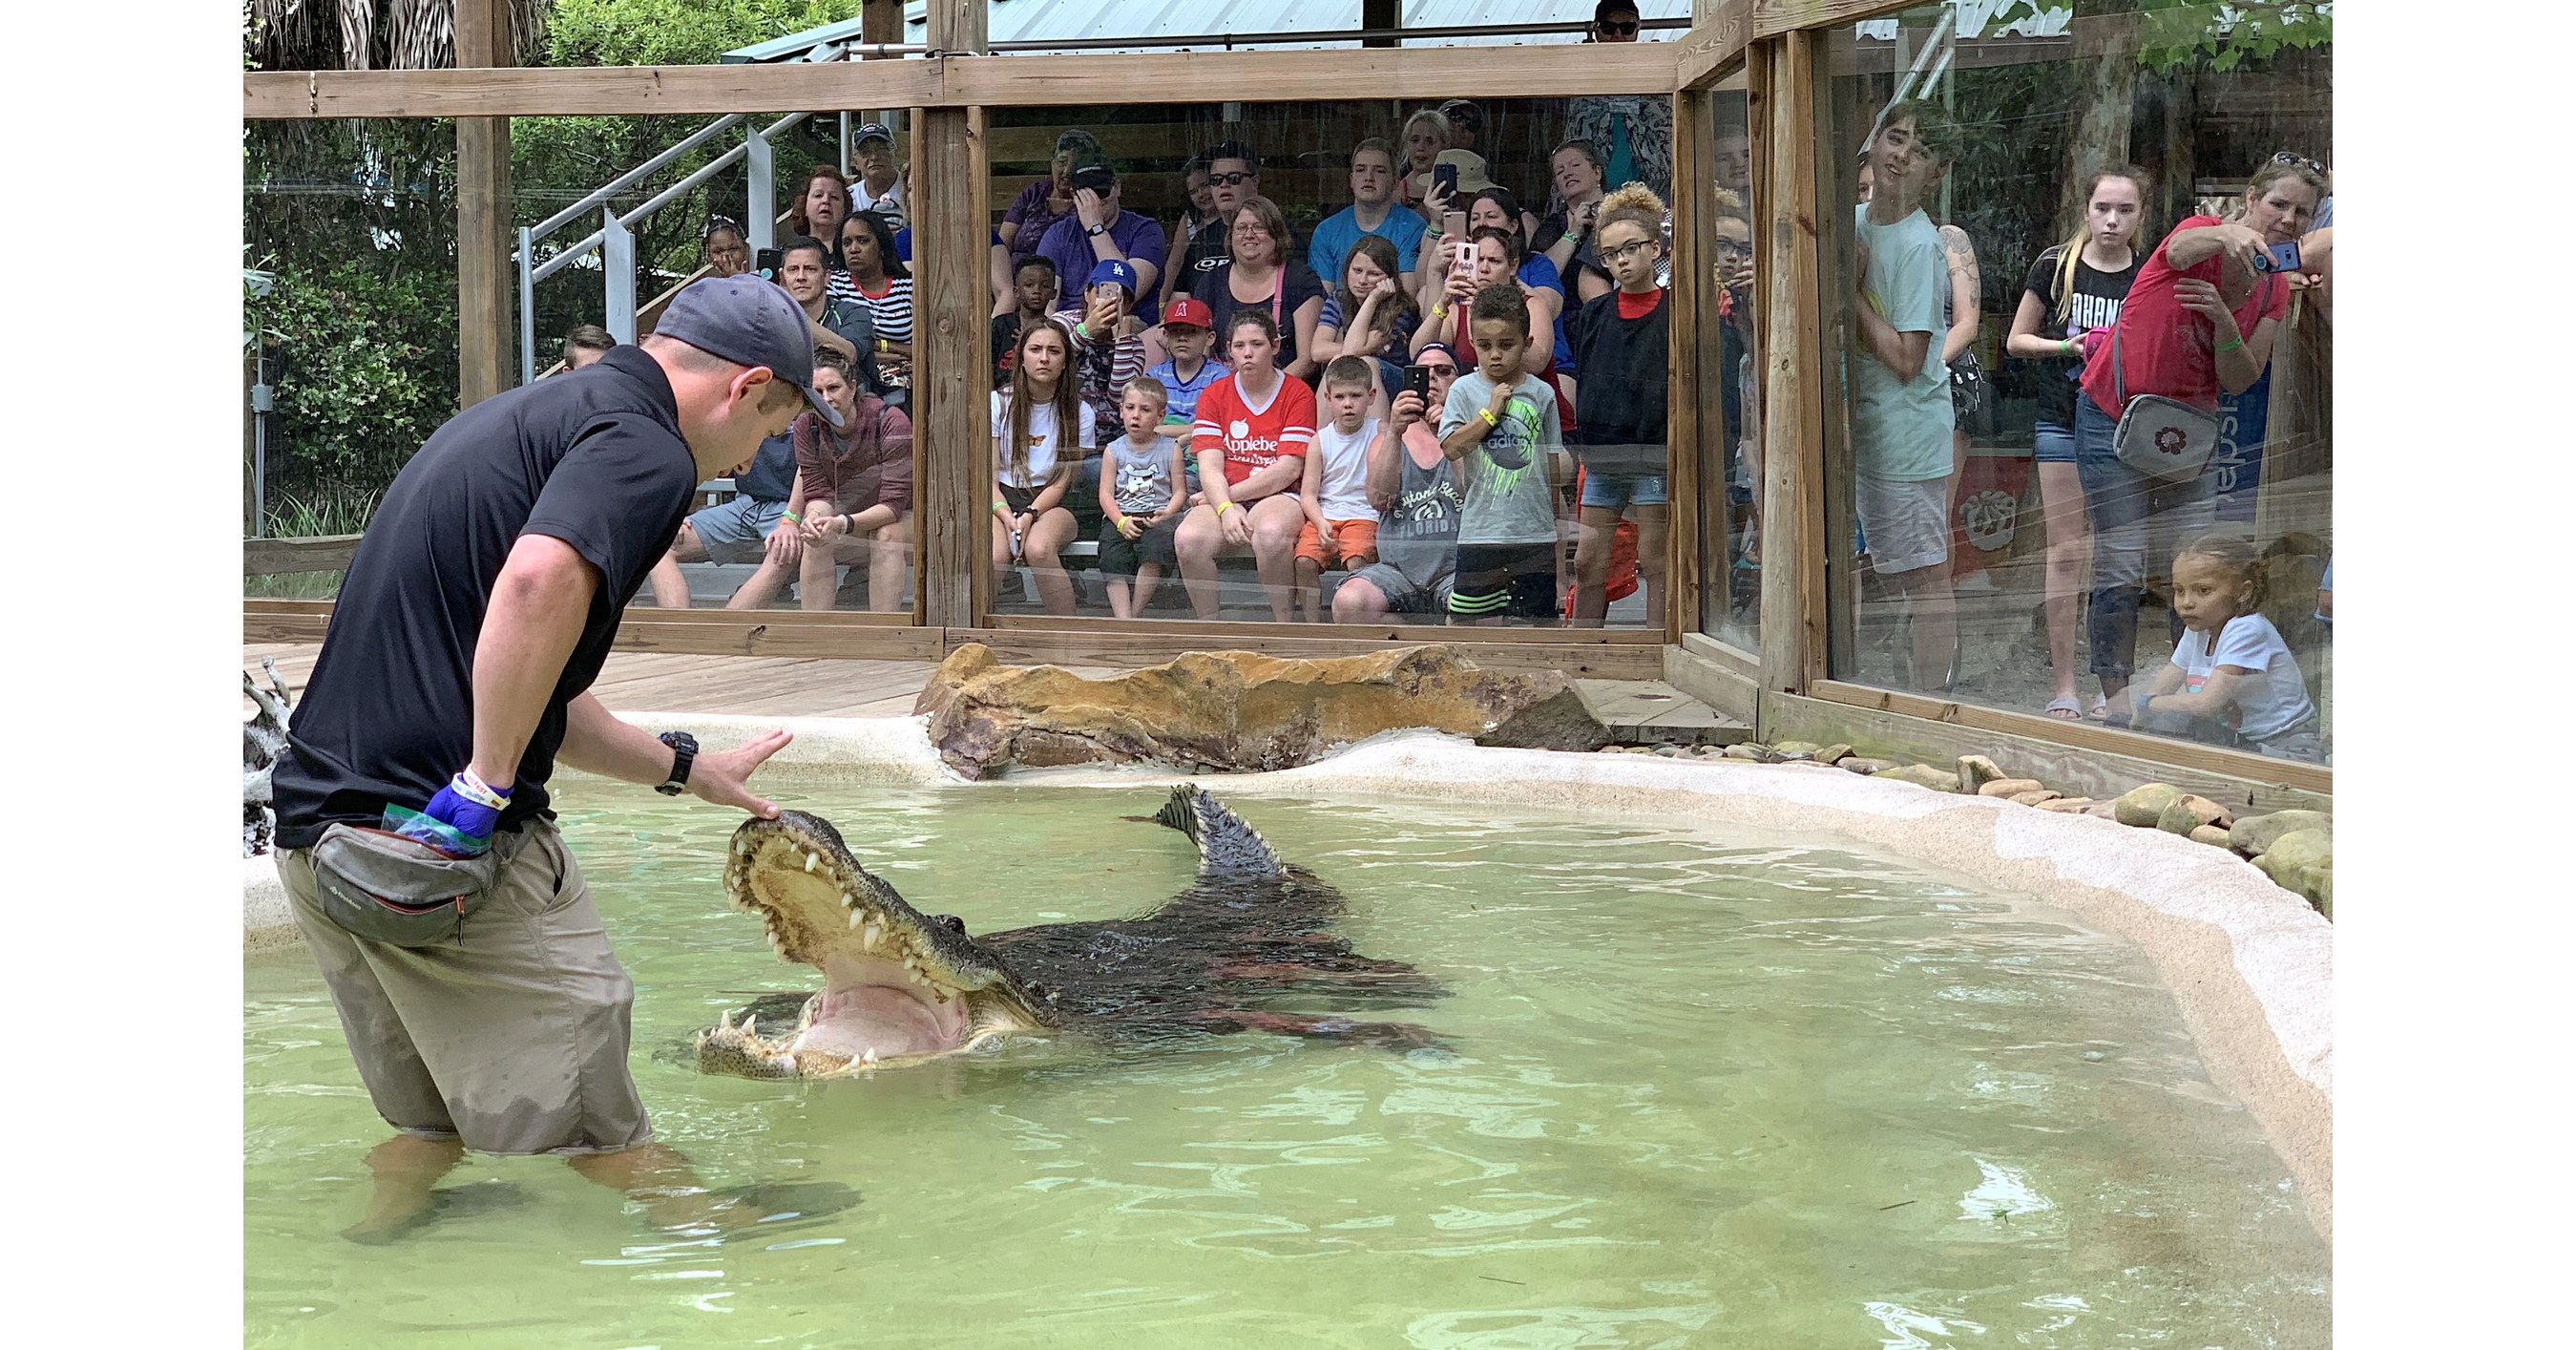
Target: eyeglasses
(1227,179)
(1624,252)
(1439,370)
(1614,29)
(2300,161)
(1730,248)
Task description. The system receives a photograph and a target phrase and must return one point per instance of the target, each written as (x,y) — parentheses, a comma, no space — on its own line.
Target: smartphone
(1445,176)
(2282,257)
(1418,380)
(1466,258)
(1096,177)
(766,264)
(1454,224)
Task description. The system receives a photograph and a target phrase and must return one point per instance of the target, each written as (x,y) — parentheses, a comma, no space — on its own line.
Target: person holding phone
(1101,231)
(2198,321)
(1426,134)
(1414,487)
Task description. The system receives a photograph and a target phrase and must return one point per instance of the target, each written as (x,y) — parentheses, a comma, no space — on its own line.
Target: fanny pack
(384,887)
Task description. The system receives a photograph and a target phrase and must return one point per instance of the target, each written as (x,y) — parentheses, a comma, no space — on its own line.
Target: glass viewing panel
(2009,206)
(1270,289)
(1730,497)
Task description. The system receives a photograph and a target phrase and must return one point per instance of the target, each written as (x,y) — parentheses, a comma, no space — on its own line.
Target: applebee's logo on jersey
(1238,429)
(2169,440)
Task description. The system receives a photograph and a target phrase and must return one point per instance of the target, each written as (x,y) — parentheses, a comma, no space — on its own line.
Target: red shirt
(2165,348)
(1252,438)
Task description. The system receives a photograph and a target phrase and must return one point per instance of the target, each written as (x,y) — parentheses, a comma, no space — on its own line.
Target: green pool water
(1704,1088)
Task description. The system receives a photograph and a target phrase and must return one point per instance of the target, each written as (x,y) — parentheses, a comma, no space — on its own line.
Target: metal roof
(1042,20)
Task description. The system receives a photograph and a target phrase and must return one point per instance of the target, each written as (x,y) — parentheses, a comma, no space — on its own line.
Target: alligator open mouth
(1249,947)
(899,985)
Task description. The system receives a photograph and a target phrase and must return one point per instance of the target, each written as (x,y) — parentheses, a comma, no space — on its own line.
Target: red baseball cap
(1191,310)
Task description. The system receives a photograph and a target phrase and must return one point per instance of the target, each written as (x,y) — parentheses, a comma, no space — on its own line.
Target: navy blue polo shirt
(592,457)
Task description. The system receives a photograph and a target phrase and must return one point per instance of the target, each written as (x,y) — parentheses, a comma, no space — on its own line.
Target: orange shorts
(1354,540)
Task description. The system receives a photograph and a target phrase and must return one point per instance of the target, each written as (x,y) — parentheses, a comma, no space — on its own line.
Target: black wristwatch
(1095,231)
(684,752)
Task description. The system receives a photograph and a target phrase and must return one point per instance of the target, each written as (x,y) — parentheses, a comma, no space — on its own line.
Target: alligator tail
(1227,846)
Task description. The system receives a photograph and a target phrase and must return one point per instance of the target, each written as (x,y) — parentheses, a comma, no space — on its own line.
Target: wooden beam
(1550,71)
(1717,675)
(318,553)
(1712,44)
(285,620)
(644,91)
(1553,70)
(952,389)
(484,324)
(1771,18)
(2072,757)
(881,21)
(1219,632)
(771,633)
(1794,538)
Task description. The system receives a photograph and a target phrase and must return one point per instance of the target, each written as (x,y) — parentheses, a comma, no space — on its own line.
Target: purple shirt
(1029,211)
(1068,245)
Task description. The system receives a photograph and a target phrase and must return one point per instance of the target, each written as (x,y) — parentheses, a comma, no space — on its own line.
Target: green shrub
(363,366)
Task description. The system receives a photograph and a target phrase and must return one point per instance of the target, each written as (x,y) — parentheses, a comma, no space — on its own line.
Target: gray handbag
(387,888)
(2160,437)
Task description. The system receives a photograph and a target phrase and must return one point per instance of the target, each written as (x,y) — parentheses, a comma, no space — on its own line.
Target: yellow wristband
(1439,311)
(1488,415)
(1221,507)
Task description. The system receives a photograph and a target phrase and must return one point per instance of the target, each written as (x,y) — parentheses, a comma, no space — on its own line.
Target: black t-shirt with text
(592,457)
(2095,304)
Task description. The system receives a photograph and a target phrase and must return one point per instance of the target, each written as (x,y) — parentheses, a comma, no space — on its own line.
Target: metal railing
(614,240)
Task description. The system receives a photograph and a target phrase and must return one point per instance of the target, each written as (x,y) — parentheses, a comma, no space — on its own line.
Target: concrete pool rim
(2249,964)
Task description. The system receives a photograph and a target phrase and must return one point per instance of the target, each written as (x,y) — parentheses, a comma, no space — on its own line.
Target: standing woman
(1259,274)
(724,252)
(1565,238)
(2198,322)
(1034,455)
(2074,288)
(882,285)
(1372,315)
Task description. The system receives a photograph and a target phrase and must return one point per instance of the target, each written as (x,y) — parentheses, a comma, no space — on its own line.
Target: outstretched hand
(719,777)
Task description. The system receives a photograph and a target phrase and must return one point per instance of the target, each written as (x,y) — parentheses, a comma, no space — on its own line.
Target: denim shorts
(2052,444)
(1617,492)
(737,531)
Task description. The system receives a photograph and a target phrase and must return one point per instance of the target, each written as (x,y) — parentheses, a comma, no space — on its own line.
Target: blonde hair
(1636,204)
(2072,251)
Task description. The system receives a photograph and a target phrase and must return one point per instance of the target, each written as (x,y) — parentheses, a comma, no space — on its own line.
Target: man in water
(477,610)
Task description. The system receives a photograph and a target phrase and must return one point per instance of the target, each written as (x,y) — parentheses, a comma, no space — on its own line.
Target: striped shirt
(891,308)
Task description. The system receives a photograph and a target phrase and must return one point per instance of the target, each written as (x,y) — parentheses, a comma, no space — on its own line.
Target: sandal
(2065,709)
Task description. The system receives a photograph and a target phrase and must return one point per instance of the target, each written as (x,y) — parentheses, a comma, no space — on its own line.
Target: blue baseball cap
(750,322)
(1113,269)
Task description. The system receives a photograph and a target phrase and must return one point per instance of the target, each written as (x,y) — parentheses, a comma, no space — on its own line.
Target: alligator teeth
(868,1055)
(724,1021)
(812,859)
(857,918)
(868,938)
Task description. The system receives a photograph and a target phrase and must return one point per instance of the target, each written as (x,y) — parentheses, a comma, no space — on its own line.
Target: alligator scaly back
(1227,846)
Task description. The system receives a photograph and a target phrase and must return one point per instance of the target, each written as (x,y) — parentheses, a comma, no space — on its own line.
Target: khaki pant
(513,1039)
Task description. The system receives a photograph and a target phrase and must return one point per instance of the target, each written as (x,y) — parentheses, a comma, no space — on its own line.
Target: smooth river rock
(2303,861)
(1975,771)
(2251,835)
(2188,813)
(1237,711)
(2143,805)
(1923,775)
(2008,787)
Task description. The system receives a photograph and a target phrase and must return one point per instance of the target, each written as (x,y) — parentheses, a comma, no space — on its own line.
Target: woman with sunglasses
(2199,321)
(1416,492)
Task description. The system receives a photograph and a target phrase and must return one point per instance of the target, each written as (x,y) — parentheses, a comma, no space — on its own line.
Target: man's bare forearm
(535,617)
(596,741)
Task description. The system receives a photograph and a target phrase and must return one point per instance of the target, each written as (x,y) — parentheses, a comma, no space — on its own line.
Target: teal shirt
(1901,428)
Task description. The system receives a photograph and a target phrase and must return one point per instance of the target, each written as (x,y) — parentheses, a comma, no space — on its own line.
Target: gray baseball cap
(751,322)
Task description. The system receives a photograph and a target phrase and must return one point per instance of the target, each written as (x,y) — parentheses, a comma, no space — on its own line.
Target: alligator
(902,987)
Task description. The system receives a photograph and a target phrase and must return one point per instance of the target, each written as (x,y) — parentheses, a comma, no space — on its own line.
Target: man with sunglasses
(1414,487)
(1634,132)
(1234,174)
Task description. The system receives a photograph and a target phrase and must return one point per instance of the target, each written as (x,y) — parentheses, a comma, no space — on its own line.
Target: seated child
(1189,337)
(2231,680)
(1341,527)
(1033,285)
(1415,489)
(1500,427)
(1142,496)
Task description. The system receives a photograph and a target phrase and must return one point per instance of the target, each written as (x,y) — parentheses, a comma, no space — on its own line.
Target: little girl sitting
(2232,680)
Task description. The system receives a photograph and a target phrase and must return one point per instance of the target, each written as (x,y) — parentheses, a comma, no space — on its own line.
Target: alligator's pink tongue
(891,1020)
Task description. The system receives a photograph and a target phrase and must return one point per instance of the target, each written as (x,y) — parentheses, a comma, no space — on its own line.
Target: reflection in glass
(2081,342)
(1730,496)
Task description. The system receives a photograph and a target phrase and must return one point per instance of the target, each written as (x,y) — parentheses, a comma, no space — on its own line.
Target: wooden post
(880,21)
(483,238)
(1696,422)
(952,373)
(1794,539)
